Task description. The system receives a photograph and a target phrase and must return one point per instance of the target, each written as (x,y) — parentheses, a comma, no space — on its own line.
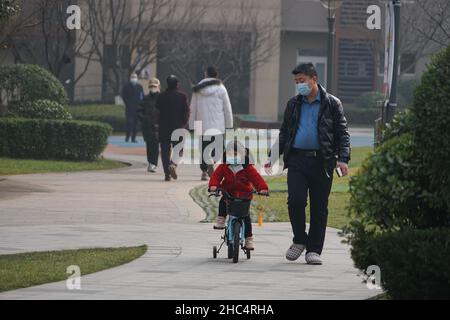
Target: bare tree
(238,39)
(40,35)
(425,28)
(124,34)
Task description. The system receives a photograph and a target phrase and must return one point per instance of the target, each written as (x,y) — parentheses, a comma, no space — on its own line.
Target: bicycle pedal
(216,228)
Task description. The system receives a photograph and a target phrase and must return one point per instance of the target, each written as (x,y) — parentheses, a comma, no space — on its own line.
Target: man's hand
(268,167)
(344,168)
(213,189)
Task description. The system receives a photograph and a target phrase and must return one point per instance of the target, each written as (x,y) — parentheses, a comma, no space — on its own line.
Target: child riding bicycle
(237,177)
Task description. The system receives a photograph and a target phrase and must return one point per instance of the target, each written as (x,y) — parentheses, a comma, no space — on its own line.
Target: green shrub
(21,82)
(40,109)
(431,118)
(112,114)
(405,186)
(52,139)
(413,263)
(369,100)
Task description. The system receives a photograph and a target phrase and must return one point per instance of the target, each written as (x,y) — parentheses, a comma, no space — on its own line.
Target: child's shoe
(249,243)
(220,223)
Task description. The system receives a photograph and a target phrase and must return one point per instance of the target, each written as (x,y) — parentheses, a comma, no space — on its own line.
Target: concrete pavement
(128,207)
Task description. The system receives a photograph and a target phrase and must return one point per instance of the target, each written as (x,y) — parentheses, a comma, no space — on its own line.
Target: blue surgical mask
(134,81)
(234,160)
(303,89)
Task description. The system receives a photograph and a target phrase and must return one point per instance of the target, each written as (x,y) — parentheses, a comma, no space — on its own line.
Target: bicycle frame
(231,221)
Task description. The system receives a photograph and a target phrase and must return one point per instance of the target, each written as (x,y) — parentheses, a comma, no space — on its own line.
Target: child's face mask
(234,159)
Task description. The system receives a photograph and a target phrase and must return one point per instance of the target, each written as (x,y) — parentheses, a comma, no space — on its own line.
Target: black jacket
(334,138)
(173,112)
(132,95)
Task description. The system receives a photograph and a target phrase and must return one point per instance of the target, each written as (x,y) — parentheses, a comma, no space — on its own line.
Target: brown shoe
(204,176)
(167,178)
(173,172)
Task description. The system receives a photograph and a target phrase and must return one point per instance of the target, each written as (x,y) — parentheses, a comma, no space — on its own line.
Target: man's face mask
(134,80)
(303,89)
(154,90)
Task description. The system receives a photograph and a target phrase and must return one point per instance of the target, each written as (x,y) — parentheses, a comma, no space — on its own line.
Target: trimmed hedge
(40,109)
(26,82)
(111,114)
(413,263)
(52,139)
(400,199)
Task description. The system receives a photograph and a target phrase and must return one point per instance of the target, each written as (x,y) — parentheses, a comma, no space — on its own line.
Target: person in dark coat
(314,140)
(149,116)
(132,95)
(173,114)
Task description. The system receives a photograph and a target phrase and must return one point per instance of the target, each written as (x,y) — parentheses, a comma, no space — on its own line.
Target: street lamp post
(392,104)
(331,6)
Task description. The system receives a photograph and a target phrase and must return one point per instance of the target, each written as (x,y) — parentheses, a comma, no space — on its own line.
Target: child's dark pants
(247,221)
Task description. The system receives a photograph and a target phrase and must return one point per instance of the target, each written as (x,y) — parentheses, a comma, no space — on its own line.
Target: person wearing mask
(173,114)
(211,105)
(314,140)
(132,95)
(149,116)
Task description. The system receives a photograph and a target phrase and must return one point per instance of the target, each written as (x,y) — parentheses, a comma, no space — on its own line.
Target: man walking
(314,139)
(132,95)
(149,116)
(211,105)
(173,114)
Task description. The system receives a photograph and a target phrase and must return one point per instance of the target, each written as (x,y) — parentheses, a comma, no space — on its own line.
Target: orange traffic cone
(260,216)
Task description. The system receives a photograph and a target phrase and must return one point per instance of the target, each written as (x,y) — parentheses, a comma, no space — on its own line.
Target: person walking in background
(173,114)
(132,95)
(149,116)
(314,139)
(211,105)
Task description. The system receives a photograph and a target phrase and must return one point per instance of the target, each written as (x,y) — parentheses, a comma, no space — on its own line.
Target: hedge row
(111,114)
(414,263)
(52,139)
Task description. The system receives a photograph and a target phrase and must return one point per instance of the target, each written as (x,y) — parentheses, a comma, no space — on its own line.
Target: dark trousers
(132,121)
(308,175)
(152,151)
(247,220)
(166,153)
(212,154)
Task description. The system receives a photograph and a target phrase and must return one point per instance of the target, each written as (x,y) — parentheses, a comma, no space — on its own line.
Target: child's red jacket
(239,184)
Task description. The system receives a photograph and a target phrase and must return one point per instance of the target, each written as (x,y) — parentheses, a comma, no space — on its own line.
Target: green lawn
(10,166)
(275,207)
(31,269)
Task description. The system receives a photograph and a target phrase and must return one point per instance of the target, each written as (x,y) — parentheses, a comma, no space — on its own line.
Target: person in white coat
(211,105)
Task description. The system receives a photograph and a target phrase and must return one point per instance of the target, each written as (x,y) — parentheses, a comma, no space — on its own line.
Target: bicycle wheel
(236,241)
(249,255)
(214,252)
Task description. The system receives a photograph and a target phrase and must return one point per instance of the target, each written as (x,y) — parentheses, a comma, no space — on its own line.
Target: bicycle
(234,232)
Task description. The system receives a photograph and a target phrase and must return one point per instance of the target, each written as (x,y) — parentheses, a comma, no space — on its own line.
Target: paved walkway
(130,207)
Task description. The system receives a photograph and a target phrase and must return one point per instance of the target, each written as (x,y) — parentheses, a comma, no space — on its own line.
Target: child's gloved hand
(212,189)
(264,192)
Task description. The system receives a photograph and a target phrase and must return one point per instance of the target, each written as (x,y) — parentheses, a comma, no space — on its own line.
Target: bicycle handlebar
(226,194)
